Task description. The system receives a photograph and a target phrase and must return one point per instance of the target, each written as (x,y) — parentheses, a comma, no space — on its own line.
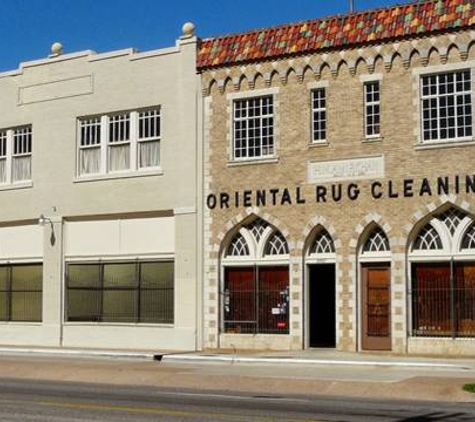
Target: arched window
(323,243)
(277,245)
(238,246)
(428,239)
(255,270)
(377,241)
(443,276)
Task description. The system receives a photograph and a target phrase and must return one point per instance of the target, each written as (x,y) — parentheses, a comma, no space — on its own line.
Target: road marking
(163,411)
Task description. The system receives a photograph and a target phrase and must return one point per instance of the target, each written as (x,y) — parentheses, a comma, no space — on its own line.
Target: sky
(29,27)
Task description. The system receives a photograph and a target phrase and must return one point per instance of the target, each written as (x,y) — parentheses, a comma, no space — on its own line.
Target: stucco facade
(383,180)
(146,213)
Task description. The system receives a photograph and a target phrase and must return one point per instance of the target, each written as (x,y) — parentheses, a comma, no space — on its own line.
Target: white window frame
(247,95)
(8,135)
(417,73)
(319,111)
(370,105)
(105,144)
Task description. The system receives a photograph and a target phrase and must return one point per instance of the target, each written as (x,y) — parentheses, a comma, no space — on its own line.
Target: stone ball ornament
(57,48)
(188,29)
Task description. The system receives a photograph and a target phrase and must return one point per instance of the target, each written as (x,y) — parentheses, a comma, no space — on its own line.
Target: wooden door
(273,300)
(376,307)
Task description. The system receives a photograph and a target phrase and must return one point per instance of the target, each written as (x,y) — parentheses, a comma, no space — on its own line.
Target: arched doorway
(375,316)
(320,262)
(255,281)
(442,269)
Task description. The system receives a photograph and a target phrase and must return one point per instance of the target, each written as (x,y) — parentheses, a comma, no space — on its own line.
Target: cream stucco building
(104,147)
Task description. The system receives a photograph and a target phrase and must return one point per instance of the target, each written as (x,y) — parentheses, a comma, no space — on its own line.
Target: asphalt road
(24,400)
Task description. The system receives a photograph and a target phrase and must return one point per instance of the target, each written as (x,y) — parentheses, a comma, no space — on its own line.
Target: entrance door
(322,306)
(376,307)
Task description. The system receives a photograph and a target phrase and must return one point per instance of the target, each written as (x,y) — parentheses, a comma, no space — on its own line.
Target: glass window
(372,109)
(319,115)
(446,106)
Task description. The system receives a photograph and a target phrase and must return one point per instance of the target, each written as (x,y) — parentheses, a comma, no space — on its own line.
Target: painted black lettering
(261,198)
(321,193)
(236,199)
(425,188)
(274,193)
(376,190)
(286,198)
(336,192)
(392,193)
(353,191)
(470,184)
(443,185)
(457,184)
(300,198)
(211,201)
(247,201)
(224,200)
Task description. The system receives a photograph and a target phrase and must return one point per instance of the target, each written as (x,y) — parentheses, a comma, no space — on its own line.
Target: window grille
(21,292)
(277,245)
(119,142)
(372,109)
(377,242)
(446,104)
(254,128)
(22,148)
(468,241)
(238,246)
(319,115)
(428,240)
(323,243)
(451,218)
(257,228)
(138,292)
(149,138)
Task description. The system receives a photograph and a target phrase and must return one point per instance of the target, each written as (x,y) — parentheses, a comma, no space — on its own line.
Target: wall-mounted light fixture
(42,221)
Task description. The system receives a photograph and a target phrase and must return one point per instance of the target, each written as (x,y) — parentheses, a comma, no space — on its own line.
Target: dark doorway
(322,305)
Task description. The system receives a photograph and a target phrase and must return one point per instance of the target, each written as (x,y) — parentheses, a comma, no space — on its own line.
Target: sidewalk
(309,373)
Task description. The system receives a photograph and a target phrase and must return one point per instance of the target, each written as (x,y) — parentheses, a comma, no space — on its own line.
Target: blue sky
(29,27)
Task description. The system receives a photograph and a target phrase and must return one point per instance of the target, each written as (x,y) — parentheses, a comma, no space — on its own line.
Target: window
(446,105)
(138,292)
(21,292)
(121,142)
(372,109)
(319,115)
(15,155)
(253,128)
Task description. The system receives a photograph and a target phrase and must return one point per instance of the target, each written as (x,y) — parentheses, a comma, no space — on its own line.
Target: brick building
(340,183)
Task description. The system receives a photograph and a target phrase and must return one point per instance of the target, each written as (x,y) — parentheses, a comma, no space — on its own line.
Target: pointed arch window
(323,243)
(377,242)
(277,245)
(468,241)
(452,219)
(257,228)
(428,240)
(238,246)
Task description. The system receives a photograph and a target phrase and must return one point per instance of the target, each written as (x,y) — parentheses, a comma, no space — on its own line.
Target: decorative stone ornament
(56,49)
(188,30)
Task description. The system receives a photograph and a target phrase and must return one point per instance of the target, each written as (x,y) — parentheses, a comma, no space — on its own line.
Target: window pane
(4,306)
(156,306)
(89,161)
(84,275)
(120,275)
(149,154)
(84,304)
(21,168)
(27,278)
(119,157)
(157,274)
(26,306)
(119,305)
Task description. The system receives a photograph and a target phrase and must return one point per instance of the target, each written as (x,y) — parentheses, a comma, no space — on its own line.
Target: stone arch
(213,84)
(370,221)
(313,226)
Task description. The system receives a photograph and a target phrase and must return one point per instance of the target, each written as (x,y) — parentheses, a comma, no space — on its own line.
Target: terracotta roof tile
(336,32)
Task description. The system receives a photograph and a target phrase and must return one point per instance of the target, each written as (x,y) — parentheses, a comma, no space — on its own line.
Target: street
(26,400)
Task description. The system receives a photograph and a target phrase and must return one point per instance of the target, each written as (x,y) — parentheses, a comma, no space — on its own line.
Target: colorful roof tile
(376,25)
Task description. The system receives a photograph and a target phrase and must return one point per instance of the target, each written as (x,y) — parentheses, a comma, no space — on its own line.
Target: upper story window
(15,155)
(253,128)
(120,142)
(446,104)
(372,105)
(319,115)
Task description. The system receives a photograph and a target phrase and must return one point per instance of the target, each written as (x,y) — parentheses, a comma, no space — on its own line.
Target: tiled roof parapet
(392,23)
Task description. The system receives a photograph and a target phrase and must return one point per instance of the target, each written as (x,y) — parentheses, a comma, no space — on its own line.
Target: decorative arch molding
(424,214)
(233,225)
(363,229)
(410,51)
(313,226)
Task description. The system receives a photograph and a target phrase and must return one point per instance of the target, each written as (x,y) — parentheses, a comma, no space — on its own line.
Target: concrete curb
(300,361)
(79,353)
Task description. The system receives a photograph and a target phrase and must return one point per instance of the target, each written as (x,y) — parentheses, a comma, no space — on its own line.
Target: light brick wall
(343,74)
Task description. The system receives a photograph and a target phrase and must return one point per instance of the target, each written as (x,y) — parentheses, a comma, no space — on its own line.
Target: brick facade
(397,65)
